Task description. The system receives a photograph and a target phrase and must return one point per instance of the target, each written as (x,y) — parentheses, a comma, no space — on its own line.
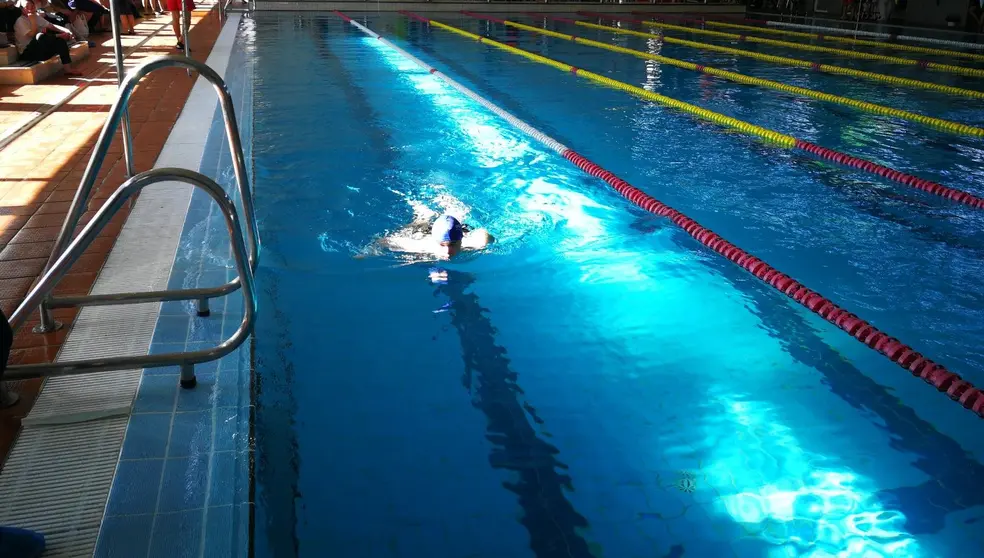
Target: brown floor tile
(59,195)
(27,250)
(15,287)
(47,220)
(13,269)
(29,340)
(39,234)
(78,283)
(33,355)
(13,222)
(13,209)
(54,207)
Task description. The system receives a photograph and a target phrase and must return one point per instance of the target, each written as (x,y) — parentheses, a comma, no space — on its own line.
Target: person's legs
(55,45)
(37,50)
(176,27)
(43,48)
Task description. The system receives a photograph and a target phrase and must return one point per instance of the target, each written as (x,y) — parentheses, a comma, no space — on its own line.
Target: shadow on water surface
(278,456)
(549,517)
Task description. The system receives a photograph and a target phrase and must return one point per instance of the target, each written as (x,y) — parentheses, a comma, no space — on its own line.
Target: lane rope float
(780,60)
(773,136)
(923,64)
(819,36)
(953,127)
(955,387)
(863,33)
(912,38)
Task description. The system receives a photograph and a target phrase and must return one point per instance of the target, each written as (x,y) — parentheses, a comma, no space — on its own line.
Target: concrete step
(8,55)
(29,73)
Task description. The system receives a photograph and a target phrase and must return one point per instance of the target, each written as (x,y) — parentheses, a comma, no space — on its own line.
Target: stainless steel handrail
(186,360)
(81,199)
(186,40)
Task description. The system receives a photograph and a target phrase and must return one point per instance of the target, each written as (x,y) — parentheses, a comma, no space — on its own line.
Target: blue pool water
(598,384)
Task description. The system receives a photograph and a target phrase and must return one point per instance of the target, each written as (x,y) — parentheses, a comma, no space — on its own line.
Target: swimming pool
(599,384)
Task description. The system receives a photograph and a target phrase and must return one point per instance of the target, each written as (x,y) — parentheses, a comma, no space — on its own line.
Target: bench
(28,73)
(8,55)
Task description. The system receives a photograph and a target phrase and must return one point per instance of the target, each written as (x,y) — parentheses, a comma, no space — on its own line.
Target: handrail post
(120,75)
(184,32)
(47,322)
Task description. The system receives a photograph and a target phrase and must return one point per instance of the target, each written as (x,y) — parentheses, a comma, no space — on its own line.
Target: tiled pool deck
(181,485)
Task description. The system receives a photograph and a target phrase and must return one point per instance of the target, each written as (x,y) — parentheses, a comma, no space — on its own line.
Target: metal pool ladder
(67,251)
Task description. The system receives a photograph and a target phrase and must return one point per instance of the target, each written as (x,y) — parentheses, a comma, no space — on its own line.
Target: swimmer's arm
(476,239)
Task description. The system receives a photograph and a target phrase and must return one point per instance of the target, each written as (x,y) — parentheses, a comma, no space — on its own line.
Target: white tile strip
(57,477)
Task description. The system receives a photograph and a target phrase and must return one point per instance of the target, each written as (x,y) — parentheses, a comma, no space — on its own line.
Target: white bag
(80,27)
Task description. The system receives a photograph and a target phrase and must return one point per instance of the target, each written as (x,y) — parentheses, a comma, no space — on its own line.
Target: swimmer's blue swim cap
(447,229)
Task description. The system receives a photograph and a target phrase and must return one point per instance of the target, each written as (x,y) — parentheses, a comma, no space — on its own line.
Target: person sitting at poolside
(38,39)
(445,238)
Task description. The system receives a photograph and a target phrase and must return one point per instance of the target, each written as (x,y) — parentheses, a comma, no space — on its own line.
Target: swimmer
(444,238)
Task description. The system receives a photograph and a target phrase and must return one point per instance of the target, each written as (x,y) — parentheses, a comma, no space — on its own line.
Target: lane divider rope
(780,60)
(955,387)
(924,64)
(859,32)
(954,127)
(819,36)
(773,136)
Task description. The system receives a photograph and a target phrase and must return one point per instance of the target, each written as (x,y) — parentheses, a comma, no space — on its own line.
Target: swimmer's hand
(476,239)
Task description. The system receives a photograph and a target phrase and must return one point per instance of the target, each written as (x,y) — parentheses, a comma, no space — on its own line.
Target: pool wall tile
(147,435)
(125,536)
(227,436)
(177,535)
(222,487)
(135,487)
(201,398)
(185,484)
(219,529)
(157,393)
(191,434)
(172,329)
